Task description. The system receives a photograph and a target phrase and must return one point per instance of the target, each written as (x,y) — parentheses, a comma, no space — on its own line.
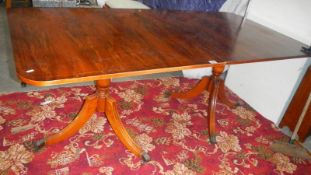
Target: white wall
(268,87)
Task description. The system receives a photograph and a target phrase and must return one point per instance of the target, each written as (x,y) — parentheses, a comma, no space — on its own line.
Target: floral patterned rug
(173,132)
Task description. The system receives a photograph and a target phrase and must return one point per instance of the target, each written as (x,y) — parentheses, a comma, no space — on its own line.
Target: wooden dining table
(53,46)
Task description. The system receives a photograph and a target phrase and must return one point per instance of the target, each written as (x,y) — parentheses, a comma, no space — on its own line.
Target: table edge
(144,72)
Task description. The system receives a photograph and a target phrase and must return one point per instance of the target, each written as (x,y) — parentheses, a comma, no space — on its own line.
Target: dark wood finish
(65,45)
(296,106)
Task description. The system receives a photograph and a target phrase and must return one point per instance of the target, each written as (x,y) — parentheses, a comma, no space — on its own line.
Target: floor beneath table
(10,83)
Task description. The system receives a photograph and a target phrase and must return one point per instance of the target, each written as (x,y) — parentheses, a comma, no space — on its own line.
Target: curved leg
(216,86)
(214,89)
(212,110)
(84,115)
(100,102)
(86,112)
(120,130)
(200,86)
(222,96)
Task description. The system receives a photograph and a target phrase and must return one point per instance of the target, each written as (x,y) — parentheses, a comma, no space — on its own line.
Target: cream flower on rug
(180,169)
(144,141)
(35,94)
(2,121)
(178,130)
(178,126)
(184,117)
(6,110)
(106,170)
(41,113)
(204,97)
(77,92)
(228,142)
(129,95)
(70,154)
(95,125)
(283,163)
(57,102)
(173,82)
(223,122)
(162,97)
(244,113)
(14,159)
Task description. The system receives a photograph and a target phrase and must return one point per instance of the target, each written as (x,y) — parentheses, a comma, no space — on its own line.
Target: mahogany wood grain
(65,45)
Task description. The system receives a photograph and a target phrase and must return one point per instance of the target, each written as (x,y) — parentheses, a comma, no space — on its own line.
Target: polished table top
(65,45)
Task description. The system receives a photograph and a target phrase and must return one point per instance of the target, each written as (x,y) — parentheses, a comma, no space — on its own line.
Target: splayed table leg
(100,102)
(216,88)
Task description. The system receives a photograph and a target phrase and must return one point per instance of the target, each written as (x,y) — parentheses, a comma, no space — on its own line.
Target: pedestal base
(100,102)
(216,87)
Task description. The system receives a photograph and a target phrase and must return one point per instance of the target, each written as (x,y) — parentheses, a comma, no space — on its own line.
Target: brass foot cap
(213,139)
(145,157)
(35,146)
(23,84)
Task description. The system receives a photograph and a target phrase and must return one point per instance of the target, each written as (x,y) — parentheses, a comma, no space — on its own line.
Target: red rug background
(173,132)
